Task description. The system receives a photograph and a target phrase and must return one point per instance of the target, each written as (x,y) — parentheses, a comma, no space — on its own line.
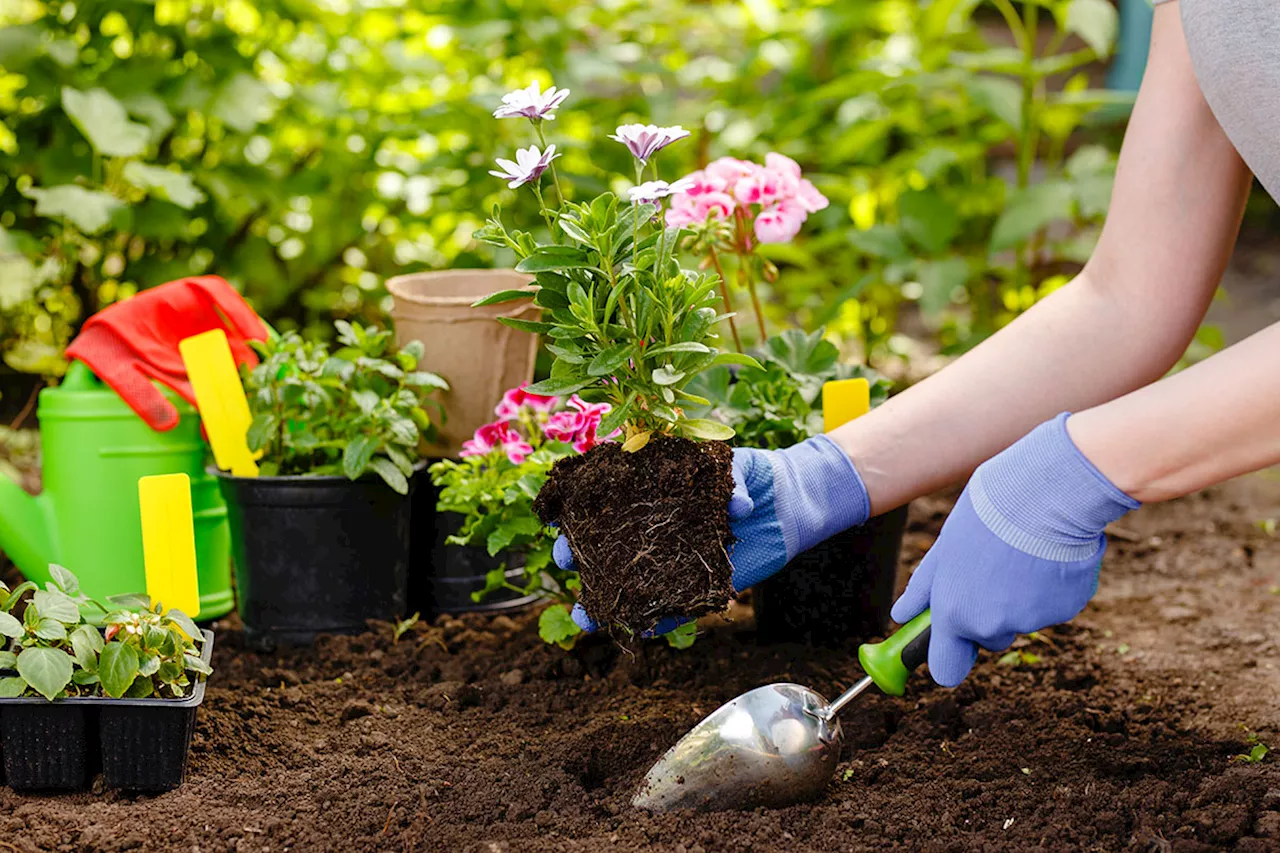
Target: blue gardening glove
(1020,551)
(784,502)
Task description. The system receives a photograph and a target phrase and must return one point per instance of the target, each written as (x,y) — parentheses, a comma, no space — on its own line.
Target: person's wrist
(1045,498)
(823,493)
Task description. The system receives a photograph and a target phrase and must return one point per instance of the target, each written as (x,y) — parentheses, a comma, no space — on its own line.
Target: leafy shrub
(352,412)
(68,644)
(780,403)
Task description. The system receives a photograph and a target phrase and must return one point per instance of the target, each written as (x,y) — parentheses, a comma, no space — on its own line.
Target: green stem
(744,275)
(1015,23)
(546,214)
(555,177)
(724,295)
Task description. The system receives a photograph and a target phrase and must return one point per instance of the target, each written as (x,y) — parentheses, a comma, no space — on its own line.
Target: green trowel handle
(890,662)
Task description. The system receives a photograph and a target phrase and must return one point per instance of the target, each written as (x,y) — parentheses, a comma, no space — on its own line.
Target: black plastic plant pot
(316,555)
(444,577)
(137,744)
(840,590)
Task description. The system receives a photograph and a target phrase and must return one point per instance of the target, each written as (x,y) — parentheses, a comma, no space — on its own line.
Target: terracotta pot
(479,357)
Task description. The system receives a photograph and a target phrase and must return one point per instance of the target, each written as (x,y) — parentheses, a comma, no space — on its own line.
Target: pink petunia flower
(517,398)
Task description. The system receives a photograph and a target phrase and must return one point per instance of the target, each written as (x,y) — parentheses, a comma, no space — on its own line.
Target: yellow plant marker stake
(843,400)
(169,542)
(223,407)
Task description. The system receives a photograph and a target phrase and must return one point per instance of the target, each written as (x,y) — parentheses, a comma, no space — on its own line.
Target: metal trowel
(775,745)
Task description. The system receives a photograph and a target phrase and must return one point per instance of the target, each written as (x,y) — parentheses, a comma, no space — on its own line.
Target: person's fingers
(740,502)
(562,554)
(915,598)
(950,657)
(582,620)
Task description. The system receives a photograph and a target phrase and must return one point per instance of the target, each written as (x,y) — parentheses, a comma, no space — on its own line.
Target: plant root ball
(649,530)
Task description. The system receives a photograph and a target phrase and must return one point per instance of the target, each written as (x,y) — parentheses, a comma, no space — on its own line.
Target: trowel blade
(768,747)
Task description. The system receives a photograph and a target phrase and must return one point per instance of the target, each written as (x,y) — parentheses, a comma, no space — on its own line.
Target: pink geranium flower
(518,398)
(780,223)
(498,435)
(563,426)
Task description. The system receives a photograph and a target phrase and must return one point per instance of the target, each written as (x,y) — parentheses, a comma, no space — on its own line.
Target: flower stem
(555,177)
(744,275)
(724,294)
(546,214)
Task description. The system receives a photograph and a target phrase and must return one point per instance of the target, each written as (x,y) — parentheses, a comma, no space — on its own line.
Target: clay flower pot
(478,356)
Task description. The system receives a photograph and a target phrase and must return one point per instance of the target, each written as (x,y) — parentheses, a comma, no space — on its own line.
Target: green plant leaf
(502,296)
(928,219)
(84,677)
(130,601)
(148,665)
(667,375)
(56,605)
(705,429)
(51,629)
(999,96)
(141,688)
(682,636)
(64,580)
(88,210)
(261,430)
(554,258)
(196,664)
(1029,211)
(392,475)
(609,360)
(104,122)
(165,184)
(559,387)
(48,671)
(356,456)
(532,326)
(880,241)
(8,660)
(244,102)
(738,358)
(681,347)
(1096,22)
(12,687)
(938,281)
(86,642)
(10,626)
(555,625)
(117,667)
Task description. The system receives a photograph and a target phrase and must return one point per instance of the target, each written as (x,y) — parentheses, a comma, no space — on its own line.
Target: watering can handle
(889,663)
(80,378)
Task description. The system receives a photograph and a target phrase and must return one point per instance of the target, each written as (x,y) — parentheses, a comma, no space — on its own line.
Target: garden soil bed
(470,735)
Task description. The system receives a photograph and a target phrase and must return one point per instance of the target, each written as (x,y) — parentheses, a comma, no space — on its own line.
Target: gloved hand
(1020,551)
(134,341)
(784,502)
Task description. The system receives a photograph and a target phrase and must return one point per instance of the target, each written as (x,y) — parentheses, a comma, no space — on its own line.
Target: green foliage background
(307,149)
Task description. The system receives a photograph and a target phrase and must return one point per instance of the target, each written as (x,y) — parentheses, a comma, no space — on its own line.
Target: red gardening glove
(135,341)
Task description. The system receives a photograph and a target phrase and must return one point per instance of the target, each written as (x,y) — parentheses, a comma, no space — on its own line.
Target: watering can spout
(24,529)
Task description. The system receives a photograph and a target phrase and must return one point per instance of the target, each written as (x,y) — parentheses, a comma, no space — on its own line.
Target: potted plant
(321,537)
(493,551)
(646,518)
(84,685)
(843,588)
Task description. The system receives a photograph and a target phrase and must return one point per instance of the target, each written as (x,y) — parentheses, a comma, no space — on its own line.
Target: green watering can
(88,519)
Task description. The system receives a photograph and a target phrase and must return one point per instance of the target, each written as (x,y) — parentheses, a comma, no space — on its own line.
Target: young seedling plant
(69,645)
(627,325)
(355,411)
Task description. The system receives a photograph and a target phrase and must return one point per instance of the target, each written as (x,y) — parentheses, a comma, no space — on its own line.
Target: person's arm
(1121,324)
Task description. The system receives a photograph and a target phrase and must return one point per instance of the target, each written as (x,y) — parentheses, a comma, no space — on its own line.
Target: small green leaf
(553,258)
(555,625)
(165,184)
(559,387)
(667,375)
(928,219)
(10,626)
(261,431)
(387,470)
(1029,211)
(1096,22)
(141,688)
(423,379)
(84,677)
(12,687)
(705,429)
(738,358)
(56,605)
(356,456)
(8,660)
(149,665)
(48,671)
(86,642)
(88,210)
(532,326)
(683,636)
(64,580)
(117,667)
(196,664)
(502,296)
(184,622)
(683,346)
(104,122)
(51,629)
(609,360)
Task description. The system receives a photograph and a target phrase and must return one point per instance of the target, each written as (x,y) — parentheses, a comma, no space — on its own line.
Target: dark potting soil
(649,529)
(1115,734)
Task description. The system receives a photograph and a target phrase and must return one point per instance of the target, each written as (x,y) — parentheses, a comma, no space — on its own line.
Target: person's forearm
(1175,211)
(1213,421)
(1079,347)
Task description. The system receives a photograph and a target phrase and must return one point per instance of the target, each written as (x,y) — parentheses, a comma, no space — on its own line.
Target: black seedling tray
(138,744)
